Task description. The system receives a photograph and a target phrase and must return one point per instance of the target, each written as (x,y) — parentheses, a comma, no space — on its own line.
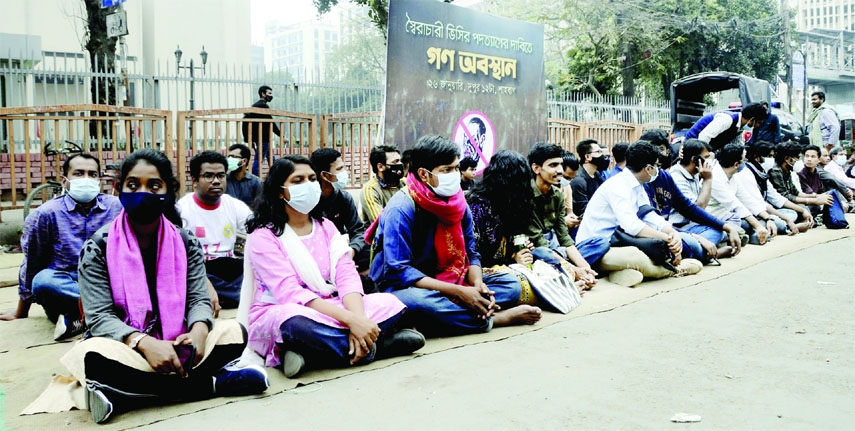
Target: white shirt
(837,171)
(720,122)
(690,186)
(614,204)
(723,201)
(748,192)
(216,227)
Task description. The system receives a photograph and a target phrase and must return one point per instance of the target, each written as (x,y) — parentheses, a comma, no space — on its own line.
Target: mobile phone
(698,160)
(187,355)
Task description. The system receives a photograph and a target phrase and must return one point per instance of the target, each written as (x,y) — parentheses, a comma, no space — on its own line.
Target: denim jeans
(265,148)
(692,248)
(58,293)
(593,249)
(436,314)
(708,233)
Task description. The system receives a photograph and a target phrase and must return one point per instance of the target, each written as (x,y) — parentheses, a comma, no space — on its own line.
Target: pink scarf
(128,281)
(452,262)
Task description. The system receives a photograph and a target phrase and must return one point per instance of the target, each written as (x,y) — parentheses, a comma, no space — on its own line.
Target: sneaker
(67,328)
(233,381)
(100,407)
(401,343)
(689,267)
(626,277)
(292,363)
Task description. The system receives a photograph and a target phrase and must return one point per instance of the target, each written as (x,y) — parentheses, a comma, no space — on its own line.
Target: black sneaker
(403,342)
(100,407)
(234,381)
(67,328)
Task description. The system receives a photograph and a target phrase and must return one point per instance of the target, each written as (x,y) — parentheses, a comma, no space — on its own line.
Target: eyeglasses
(209,177)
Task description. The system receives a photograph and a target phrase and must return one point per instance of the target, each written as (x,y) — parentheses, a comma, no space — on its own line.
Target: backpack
(833,215)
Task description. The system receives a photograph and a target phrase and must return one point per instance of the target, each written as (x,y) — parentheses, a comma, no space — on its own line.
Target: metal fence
(64,78)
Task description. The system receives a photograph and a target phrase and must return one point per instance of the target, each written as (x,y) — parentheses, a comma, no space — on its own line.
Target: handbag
(833,215)
(554,287)
(656,249)
(527,295)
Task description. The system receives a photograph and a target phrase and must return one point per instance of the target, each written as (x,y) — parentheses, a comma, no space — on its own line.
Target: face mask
(741,167)
(602,162)
(564,182)
(449,184)
(343,179)
(234,164)
(269,98)
(768,163)
(304,196)
(654,176)
(664,161)
(798,165)
(840,160)
(83,190)
(393,174)
(143,207)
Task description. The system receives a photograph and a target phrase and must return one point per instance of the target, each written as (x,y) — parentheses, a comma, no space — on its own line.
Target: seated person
(589,178)
(388,173)
(621,203)
(619,159)
(758,194)
(467,173)
(571,166)
(701,233)
(836,166)
(831,182)
(52,239)
(308,308)
(241,184)
(781,177)
(547,226)
(216,219)
(426,255)
(151,335)
(721,128)
(337,206)
(724,202)
(812,182)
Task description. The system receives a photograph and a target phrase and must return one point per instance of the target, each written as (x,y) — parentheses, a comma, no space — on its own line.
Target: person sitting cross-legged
(52,239)
(425,252)
(307,307)
(216,219)
(151,333)
(781,177)
(814,180)
(622,203)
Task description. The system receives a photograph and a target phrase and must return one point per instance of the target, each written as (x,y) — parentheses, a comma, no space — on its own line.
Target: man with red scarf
(425,252)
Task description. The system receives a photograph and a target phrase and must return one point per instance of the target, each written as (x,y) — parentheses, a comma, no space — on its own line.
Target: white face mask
(768,163)
(234,164)
(449,184)
(841,160)
(83,190)
(343,179)
(304,197)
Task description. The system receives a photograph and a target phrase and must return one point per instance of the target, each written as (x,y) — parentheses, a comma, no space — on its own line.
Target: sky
(262,11)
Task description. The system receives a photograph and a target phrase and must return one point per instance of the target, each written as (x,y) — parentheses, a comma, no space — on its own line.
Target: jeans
(265,149)
(324,346)
(692,248)
(789,214)
(436,314)
(226,274)
(554,245)
(58,293)
(547,255)
(780,224)
(708,233)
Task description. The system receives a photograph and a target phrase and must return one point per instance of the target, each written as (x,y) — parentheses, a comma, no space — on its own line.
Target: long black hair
(506,185)
(164,169)
(268,210)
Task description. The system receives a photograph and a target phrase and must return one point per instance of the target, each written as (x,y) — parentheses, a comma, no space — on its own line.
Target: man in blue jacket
(721,128)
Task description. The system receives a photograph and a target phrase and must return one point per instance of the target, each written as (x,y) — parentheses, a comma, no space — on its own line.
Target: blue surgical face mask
(654,176)
(342,179)
(449,184)
(144,207)
(304,197)
(83,190)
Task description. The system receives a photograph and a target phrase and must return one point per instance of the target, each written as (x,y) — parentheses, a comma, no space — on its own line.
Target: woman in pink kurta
(309,309)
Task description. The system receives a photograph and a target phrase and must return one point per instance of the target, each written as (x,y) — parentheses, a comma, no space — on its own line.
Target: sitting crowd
(320,282)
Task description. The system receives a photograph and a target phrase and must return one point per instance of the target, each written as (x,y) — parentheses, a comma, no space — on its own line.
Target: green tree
(378,10)
(102,54)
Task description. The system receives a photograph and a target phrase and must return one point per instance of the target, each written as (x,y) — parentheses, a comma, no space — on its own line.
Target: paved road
(769,347)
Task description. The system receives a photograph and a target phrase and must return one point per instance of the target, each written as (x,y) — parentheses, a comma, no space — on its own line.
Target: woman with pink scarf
(308,309)
(151,334)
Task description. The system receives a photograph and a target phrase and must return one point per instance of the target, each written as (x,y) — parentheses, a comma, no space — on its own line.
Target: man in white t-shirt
(216,219)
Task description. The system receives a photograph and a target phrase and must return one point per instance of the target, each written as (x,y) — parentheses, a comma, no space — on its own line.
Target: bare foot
(803,227)
(519,315)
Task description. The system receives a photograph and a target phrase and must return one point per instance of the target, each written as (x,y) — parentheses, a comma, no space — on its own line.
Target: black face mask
(393,174)
(601,162)
(143,207)
(268,98)
(664,161)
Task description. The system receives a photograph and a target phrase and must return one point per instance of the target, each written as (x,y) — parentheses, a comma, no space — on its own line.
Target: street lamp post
(192,68)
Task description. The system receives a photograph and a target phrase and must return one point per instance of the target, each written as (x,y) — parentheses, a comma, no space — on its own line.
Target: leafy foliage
(378,10)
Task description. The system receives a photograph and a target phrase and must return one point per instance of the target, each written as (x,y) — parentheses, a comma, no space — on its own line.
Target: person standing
(388,179)
(823,124)
(260,132)
(241,184)
(53,237)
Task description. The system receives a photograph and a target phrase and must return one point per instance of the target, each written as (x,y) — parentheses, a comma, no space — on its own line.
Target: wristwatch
(136,340)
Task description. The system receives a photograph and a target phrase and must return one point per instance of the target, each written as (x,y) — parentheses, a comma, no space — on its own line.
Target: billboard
(472,77)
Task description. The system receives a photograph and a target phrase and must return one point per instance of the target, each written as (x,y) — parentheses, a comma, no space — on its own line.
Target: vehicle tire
(51,188)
